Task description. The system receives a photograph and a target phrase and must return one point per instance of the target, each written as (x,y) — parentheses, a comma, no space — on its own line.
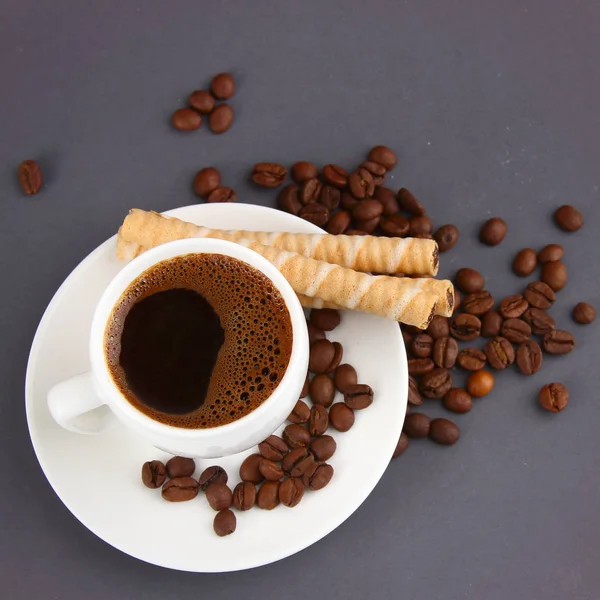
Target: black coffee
(199,341)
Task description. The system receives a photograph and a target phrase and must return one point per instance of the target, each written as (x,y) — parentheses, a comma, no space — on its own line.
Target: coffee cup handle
(75,405)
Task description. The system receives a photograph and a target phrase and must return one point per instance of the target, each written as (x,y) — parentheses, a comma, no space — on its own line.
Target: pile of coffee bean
(207,184)
(284,467)
(202,103)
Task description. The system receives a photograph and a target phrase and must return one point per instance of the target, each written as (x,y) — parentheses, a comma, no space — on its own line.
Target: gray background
(493,109)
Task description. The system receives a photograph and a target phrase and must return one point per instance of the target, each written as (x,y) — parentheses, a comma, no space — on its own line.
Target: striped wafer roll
(367,253)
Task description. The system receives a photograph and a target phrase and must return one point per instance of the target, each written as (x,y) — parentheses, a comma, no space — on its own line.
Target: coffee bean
(322,353)
(220,119)
(270,470)
(296,436)
(500,353)
(330,197)
(401,446)
(539,295)
(186,119)
(367,210)
(408,203)
(525,262)
(314,334)
(323,448)
(420,366)
(478,303)
(445,352)
(319,478)
(422,345)
(457,300)
(30,177)
(554,397)
(414,395)
(377,171)
(551,253)
(300,414)
(438,327)
(222,194)
(180,489)
(529,357)
(310,191)
(219,496)
(344,377)
(384,156)
(458,400)
(480,383)
(584,313)
(322,390)
(291,492)
(154,474)
(471,359)
(180,466)
(358,396)
(249,469)
(326,319)
(341,417)
(555,275)
(222,86)
(268,495)
(244,495)
(339,223)
(541,322)
(206,180)
(516,330)
(297,462)
(348,201)
(395,226)
(224,523)
(568,218)
(419,225)
(436,384)
(335,175)
(303,171)
(469,280)
(318,421)
(422,236)
(368,226)
(465,327)
(513,307)
(314,213)
(388,200)
(269,175)
(338,352)
(361,184)
(273,448)
(446,236)
(305,387)
(202,101)
(210,475)
(493,231)
(558,341)
(416,425)
(288,200)
(443,431)
(491,324)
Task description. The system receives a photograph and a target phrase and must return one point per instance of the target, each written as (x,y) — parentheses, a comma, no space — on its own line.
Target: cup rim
(142,263)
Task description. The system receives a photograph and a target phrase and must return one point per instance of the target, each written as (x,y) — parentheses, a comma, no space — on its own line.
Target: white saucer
(98,477)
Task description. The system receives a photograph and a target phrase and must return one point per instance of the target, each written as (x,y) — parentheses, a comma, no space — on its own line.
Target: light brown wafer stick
(366,253)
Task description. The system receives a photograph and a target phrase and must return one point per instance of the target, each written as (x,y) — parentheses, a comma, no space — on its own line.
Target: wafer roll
(366,253)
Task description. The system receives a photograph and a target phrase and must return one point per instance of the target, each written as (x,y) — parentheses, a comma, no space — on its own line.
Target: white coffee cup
(89,403)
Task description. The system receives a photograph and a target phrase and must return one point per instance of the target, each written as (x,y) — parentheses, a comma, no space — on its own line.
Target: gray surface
(493,109)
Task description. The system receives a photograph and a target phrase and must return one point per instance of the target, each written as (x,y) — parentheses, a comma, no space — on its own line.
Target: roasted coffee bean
(554,397)
(446,237)
(516,330)
(377,171)
(584,313)
(186,119)
(244,495)
(270,470)
(541,322)
(222,86)
(300,463)
(478,303)
(539,295)
(288,200)
(422,345)
(438,327)
(416,425)
(314,334)
(368,226)
(180,466)
(422,236)
(335,175)
(221,119)
(30,177)
(268,495)
(330,197)
(443,431)
(318,421)
(322,390)
(338,352)
(408,203)
(558,341)
(493,231)
(491,324)
(358,396)
(303,171)
(367,210)
(500,353)
(550,253)
(339,223)
(219,496)
(361,184)
(323,448)
(465,327)
(525,262)
(383,156)
(206,181)
(310,191)
(414,395)
(420,366)
(395,226)
(222,194)
(318,478)
(249,469)
(202,101)
(445,351)
(154,474)
(314,213)
(471,359)
(529,357)
(341,417)
(436,384)
(555,275)
(180,489)
(344,377)
(300,414)
(291,492)
(457,300)
(480,383)
(269,175)
(273,448)
(224,523)
(458,400)
(469,280)
(296,436)
(401,446)
(210,475)
(388,200)
(512,307)
(568,218)
(326,319)
(348,201)
(419,225)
